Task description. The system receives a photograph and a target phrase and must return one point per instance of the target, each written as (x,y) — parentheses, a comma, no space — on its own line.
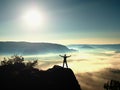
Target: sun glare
(33,18)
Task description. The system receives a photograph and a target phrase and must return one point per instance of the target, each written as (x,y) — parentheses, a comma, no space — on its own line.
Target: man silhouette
(65,60)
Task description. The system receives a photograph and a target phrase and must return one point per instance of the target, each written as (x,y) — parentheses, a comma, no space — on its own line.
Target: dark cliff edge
(56,78)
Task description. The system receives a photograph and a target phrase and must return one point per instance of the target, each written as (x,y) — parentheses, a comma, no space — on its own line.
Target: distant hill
(26,48)
(95,46)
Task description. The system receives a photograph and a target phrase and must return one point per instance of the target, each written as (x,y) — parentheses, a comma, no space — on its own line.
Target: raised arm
(61,56)
(69,56)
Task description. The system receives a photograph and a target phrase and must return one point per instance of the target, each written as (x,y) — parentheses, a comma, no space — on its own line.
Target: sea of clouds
(93,66)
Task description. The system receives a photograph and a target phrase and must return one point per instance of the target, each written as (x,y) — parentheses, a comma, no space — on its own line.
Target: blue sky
(66,21)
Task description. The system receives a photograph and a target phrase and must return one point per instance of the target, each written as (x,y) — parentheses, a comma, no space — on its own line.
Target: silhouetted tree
(17,60)
(112,85)
(13,60)
(31,64)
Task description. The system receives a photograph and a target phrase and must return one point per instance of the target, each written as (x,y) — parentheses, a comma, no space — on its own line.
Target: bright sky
(60,21)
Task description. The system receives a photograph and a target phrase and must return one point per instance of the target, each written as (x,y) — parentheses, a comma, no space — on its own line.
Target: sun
(33,18)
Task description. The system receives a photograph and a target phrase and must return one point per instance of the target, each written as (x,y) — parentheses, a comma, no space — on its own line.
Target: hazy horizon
(64,43)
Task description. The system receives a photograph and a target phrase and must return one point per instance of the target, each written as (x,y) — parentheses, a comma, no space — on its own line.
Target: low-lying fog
(92,67)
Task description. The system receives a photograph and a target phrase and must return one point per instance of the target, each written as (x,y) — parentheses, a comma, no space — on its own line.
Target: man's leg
(63,64)
(66,65)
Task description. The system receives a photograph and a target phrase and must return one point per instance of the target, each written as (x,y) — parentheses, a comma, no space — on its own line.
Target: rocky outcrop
(21,77)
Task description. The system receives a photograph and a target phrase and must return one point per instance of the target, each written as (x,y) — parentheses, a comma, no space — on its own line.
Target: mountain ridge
(28,48)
